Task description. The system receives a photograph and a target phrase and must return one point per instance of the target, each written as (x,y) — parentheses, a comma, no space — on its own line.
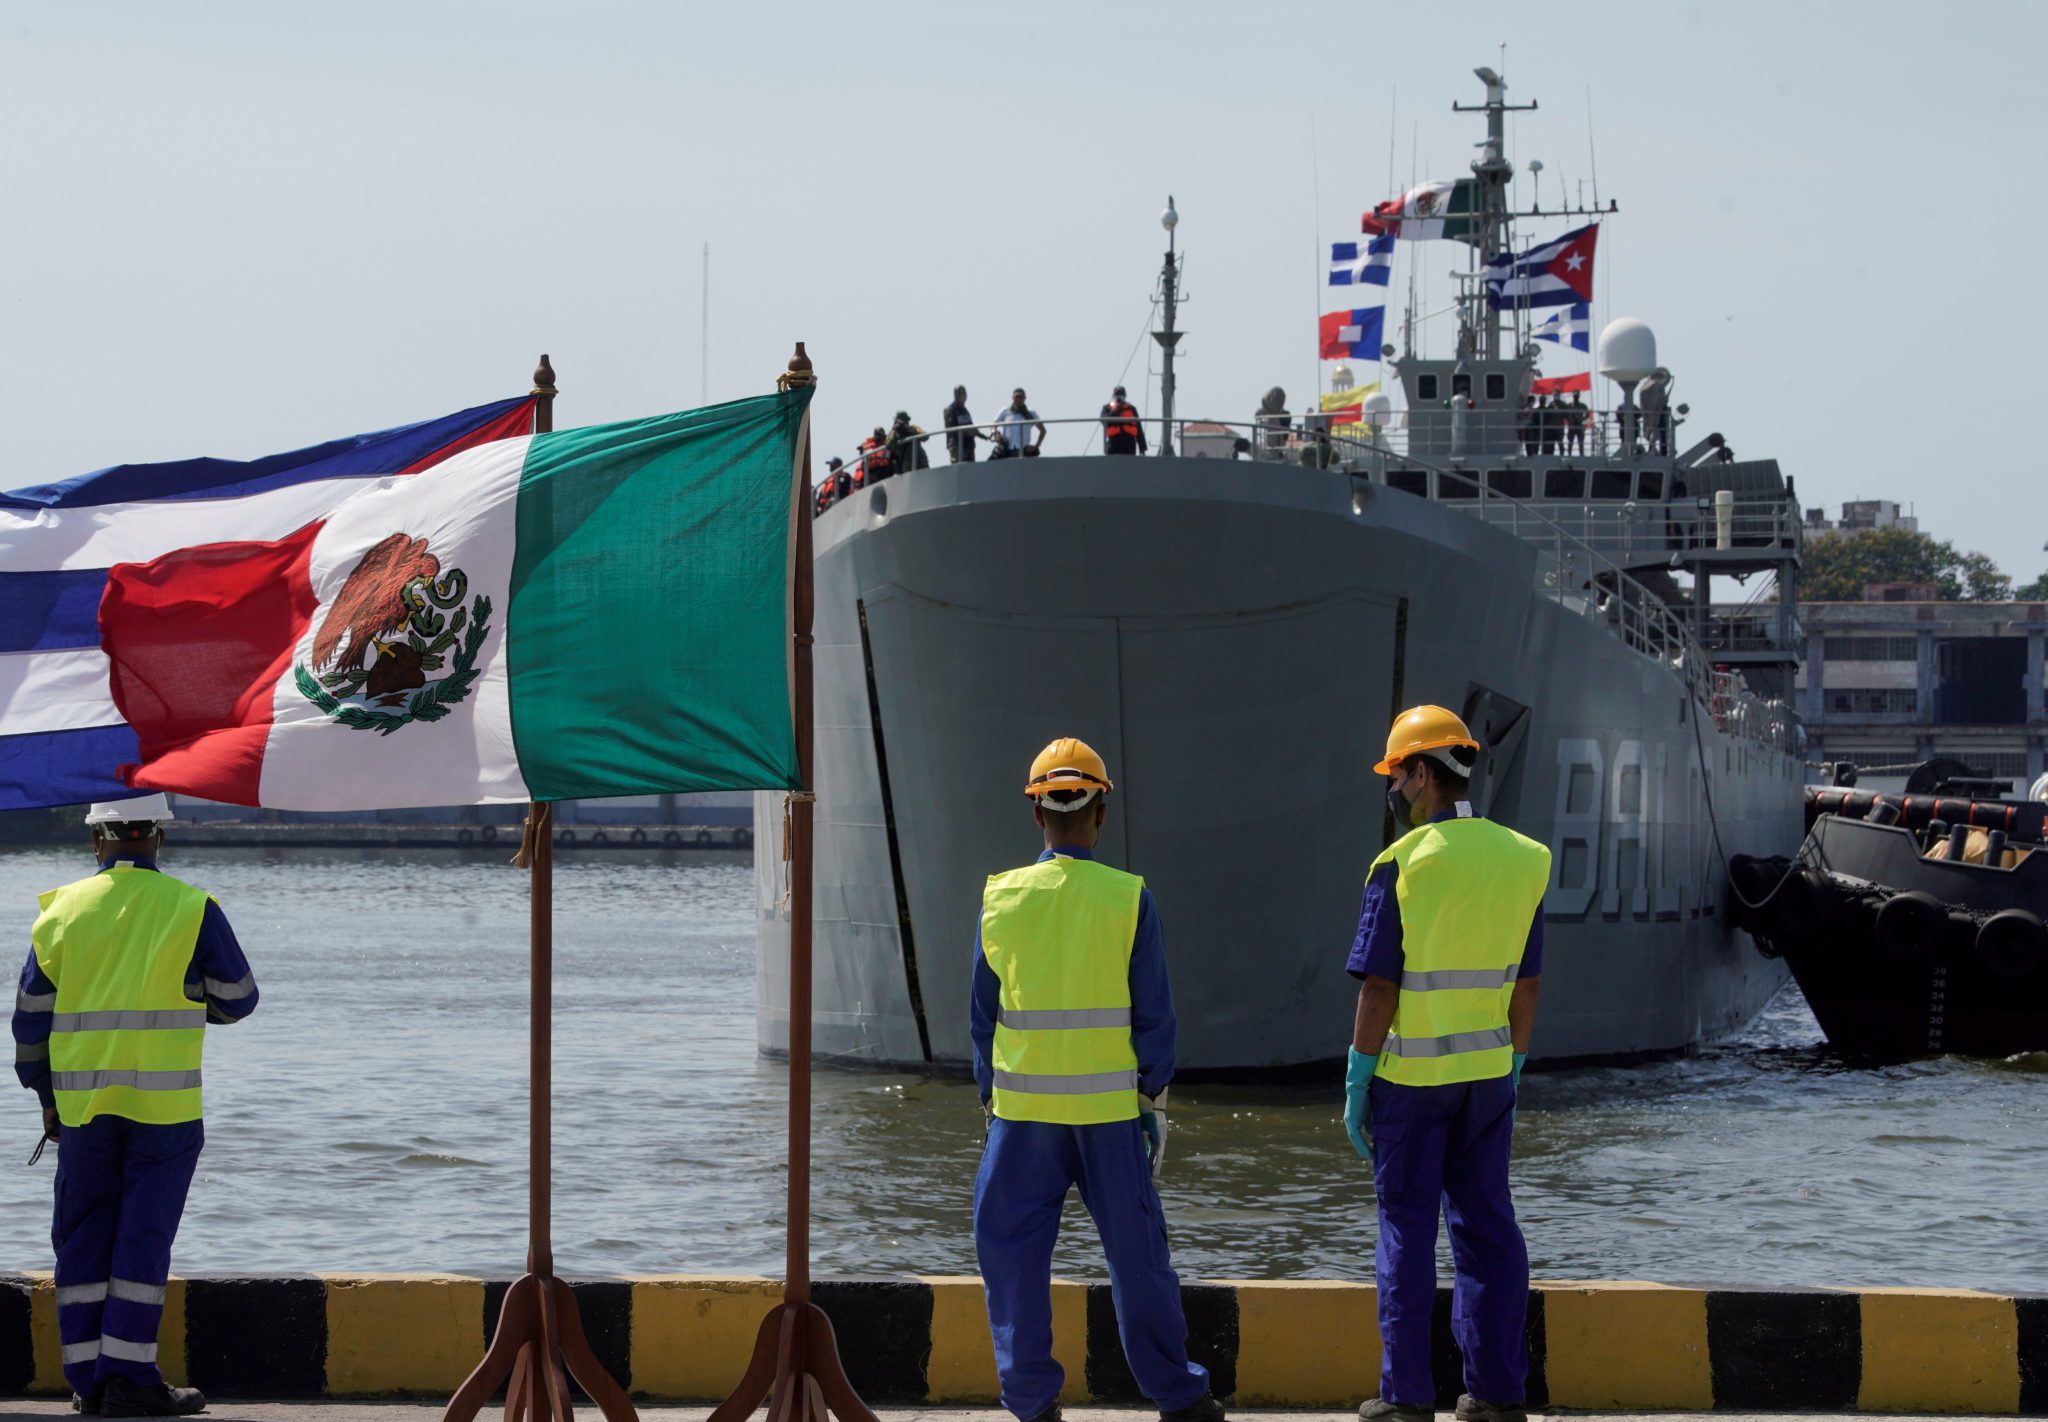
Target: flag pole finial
(799,372)
(544,377)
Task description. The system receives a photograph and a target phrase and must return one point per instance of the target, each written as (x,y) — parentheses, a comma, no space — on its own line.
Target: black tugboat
(1912,922)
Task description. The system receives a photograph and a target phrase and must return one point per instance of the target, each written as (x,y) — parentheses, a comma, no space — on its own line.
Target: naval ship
(1235,634)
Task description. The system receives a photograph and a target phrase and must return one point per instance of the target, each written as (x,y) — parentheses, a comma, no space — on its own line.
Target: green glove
(1358,1074)
(1152,1121)
(1515,1080)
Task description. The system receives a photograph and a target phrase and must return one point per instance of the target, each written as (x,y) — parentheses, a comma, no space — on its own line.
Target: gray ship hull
(1234,639)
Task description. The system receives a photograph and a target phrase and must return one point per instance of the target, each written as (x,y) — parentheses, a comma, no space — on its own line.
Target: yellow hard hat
(1067,764)
(1425,728)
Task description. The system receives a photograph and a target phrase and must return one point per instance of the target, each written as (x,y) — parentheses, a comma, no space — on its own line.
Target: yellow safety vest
(125,1040)
(1468,890)
(1058,937)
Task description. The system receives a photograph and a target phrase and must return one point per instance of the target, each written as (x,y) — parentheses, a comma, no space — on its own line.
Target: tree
(1838,565)
(2036,591)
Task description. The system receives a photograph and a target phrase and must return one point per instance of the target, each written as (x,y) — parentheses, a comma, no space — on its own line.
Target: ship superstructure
(1234,635)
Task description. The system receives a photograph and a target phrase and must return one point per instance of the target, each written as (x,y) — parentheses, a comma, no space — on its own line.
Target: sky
(238,228)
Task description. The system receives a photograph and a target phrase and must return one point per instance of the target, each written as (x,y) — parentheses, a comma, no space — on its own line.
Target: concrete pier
(1615,1346)
(238,834)
(228,1411)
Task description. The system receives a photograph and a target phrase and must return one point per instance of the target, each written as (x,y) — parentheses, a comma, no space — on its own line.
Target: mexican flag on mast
(1427,212)
(598,611)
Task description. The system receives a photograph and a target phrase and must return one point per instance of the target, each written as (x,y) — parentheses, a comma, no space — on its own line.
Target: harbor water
(372,1115)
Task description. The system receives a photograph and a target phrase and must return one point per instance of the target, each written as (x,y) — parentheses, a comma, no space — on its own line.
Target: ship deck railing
(1591,546)
(1482,435)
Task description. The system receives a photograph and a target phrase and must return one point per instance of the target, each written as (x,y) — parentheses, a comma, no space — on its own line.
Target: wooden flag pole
(796,1354)
(540,1343)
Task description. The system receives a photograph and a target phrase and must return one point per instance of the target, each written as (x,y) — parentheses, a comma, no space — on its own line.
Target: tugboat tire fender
(1910,927)
(2012,945)
(1805,903)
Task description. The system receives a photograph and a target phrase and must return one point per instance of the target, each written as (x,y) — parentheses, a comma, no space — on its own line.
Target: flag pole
(539,1344)
(796,1354)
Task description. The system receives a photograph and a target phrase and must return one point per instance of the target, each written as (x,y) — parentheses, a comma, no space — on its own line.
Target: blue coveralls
(1027,1169)
(1444,1149)
(121,1184)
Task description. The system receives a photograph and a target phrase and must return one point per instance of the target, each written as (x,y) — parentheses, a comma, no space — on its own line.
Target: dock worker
(1073,1031)
(127,969)
(1122,431)
(1450,950)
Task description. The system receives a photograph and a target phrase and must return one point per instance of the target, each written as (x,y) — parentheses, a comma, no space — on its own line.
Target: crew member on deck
(960,429)
(906,444)
(1450,948)
(1122,431)
(1073,1031)
(128,968)
(1013,427)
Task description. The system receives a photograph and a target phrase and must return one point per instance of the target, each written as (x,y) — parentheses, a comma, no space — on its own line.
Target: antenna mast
(1167,337)
(1493,172)
(1479,325)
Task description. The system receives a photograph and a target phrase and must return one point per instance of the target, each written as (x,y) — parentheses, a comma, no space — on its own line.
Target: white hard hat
(152,808)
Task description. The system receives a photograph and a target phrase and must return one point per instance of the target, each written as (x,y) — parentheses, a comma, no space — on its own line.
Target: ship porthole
(878,504)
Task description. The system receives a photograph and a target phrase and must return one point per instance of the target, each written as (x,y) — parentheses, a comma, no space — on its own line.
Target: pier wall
(1601,1346)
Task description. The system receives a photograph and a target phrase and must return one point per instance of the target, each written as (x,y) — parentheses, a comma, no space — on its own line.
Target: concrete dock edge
(1595,1346)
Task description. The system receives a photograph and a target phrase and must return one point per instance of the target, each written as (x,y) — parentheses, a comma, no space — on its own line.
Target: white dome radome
(1628,351)
(1376,408)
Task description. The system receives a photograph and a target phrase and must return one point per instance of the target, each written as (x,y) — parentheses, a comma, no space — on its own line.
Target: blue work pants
(1445,1149)
(120,1191)
(1027,1168)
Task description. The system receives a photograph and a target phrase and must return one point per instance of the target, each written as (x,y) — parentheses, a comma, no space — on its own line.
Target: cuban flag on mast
(1558,273)
(1370,264)
(1353,335)
(1573,324)
(62,738)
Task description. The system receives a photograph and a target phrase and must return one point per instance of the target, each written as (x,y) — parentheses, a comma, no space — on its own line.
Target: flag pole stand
(539,1344)
(796,1354)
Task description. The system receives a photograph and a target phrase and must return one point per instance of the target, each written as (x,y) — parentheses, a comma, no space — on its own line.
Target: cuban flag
(1353,335)
(1558,273)
(63,740)
(1367,264)
(1574,324)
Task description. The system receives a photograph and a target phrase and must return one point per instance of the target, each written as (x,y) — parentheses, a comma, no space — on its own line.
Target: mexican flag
(1427,212)
(598,611)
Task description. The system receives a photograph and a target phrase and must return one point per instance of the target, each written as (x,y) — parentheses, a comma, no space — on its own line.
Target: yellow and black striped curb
(1598,1346)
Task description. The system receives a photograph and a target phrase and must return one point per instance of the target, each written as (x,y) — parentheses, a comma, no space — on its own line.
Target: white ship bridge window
(1611,484)
(1564,483)
(1510,483)
(1464,484)
(1650,484)
(1425,387)
(1496,385)
(1409,481)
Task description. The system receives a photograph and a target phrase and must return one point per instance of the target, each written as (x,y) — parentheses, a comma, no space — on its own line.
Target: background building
(1889,682)
(1860,514)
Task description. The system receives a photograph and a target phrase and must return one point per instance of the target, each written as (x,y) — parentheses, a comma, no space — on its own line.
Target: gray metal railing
(1590,546)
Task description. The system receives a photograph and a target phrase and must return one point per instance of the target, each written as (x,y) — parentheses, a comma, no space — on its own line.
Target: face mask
(1405,812)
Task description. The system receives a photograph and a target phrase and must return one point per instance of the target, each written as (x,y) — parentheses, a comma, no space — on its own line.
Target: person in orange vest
(1122,433)
(875,461)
